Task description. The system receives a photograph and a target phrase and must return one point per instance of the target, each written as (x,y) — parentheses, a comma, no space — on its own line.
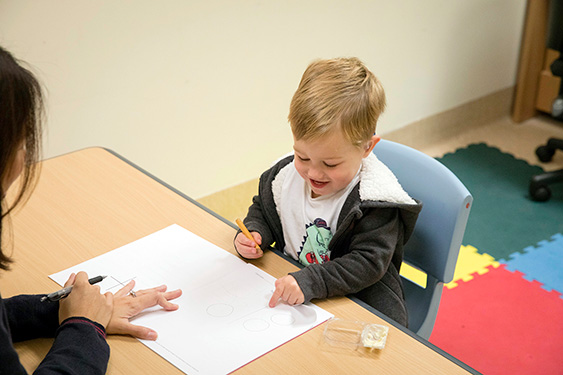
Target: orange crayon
(246,232)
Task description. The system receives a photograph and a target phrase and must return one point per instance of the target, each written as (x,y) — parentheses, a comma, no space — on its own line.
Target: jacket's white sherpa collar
(378,183)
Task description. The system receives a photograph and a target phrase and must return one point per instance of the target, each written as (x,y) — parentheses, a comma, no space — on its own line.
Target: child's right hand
(247,248)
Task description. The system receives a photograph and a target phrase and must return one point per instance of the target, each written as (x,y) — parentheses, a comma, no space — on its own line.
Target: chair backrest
(438,234)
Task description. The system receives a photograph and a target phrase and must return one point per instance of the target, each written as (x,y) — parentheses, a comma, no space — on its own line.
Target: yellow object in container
(353,334)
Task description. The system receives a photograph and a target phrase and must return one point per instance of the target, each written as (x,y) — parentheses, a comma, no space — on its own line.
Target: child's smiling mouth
(318,184)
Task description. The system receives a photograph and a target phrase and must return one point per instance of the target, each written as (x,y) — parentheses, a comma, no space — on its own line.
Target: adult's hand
(127,305)
(86,301)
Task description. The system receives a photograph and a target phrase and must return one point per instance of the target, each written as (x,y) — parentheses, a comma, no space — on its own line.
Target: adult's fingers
(164,299)
(126,328)
(70,280)
(125,290)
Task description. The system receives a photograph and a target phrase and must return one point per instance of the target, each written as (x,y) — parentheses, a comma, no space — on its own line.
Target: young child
(333,206)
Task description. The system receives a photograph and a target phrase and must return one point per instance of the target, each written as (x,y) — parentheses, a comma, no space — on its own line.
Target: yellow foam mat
(469,262)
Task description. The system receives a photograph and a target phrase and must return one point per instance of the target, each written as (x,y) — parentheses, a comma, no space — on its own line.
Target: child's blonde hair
(335,93)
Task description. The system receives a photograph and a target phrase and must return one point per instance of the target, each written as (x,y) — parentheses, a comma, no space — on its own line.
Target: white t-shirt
(309,223)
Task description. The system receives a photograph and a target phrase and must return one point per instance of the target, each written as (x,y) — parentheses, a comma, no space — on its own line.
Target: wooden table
(92,201)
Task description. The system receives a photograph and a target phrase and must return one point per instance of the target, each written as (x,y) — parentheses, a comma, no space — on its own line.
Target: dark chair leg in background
(545,153)
(539,189)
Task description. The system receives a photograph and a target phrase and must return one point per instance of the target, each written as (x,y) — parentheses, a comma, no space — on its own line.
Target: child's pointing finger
(276,297)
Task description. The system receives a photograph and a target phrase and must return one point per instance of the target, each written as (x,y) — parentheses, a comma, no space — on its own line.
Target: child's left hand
(288,291)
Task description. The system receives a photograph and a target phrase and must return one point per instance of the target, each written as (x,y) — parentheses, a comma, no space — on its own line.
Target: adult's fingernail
(152,335)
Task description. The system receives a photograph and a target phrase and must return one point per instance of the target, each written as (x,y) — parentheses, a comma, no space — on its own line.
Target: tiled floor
(480,319)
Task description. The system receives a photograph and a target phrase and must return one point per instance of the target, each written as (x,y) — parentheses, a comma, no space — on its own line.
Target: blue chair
(436,240)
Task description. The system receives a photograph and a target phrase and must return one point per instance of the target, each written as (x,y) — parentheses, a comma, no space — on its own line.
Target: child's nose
(316,174)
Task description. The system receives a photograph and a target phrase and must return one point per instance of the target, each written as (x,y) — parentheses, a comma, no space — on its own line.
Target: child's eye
(302,159)
(330,165)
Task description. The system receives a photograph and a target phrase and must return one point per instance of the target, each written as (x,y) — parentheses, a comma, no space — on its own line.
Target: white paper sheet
(223,322)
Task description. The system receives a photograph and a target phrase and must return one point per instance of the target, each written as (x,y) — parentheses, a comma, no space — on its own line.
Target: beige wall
(197,92)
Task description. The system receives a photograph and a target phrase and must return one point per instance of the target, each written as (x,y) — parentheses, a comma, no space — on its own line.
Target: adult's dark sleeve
(80,345)
(29,318)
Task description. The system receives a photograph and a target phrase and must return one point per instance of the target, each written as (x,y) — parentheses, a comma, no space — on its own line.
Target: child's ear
(371,144)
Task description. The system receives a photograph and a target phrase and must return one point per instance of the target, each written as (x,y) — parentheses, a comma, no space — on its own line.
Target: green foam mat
(503,218)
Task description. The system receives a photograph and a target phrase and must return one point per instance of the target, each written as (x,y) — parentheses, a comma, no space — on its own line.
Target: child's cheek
(301,169)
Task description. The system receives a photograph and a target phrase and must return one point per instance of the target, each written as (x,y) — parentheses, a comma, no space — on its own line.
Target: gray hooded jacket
(375,222)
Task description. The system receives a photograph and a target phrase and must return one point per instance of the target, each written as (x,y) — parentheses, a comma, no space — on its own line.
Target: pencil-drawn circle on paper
(256,325)
(220,310)
(283,319)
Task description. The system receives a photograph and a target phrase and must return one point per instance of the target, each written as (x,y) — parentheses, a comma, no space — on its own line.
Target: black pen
(60,294)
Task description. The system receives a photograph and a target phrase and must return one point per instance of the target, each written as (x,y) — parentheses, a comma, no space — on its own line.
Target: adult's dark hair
(21,114)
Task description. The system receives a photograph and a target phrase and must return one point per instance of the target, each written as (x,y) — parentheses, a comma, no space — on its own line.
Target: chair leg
(545,153)
(539,191)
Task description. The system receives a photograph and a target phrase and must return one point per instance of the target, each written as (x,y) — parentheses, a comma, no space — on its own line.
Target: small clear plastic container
(353,334)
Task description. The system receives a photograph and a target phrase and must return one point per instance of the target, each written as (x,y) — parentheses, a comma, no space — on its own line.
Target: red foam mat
(500,323)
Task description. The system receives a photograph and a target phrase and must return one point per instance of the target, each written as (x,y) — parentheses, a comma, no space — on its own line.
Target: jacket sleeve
(29,318)
(80,346)
(372,243)
(256,222)
(262,216)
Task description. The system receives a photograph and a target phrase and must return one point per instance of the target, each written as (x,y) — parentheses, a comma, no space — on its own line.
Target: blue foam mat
(542,263)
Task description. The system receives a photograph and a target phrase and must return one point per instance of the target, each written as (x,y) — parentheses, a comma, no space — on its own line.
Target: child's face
(330,162)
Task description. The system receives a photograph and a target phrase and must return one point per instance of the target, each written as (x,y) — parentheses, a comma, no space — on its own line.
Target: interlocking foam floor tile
(503,219)
(500,323)
(469,262)
(543,263)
